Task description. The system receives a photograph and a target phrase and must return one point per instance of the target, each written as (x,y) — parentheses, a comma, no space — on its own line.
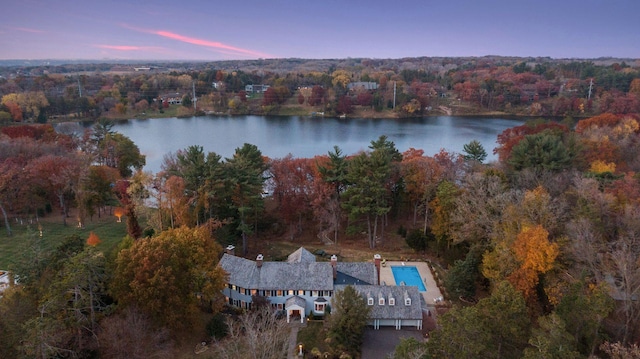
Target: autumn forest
(540,249)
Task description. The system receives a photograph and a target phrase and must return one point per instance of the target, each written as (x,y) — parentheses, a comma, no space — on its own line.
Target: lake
(299,136)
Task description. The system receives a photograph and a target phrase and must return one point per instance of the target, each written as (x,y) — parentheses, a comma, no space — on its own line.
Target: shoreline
(159,116)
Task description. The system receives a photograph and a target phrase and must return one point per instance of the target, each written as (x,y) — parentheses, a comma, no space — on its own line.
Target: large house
(302,287)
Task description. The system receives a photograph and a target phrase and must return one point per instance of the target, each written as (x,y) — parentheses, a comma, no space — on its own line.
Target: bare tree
(132,335)
(259,334)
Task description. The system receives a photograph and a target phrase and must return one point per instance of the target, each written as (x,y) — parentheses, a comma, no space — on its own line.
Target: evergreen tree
(474,151)
(348,320)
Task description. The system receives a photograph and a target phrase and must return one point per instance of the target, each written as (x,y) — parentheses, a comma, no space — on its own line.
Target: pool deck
(386,277)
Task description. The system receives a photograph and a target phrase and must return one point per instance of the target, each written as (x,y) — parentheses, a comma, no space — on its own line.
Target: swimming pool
(409,275)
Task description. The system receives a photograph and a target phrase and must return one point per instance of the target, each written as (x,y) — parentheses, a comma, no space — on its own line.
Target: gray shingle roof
(365,272)
(386,311)
(301,255)
(303,275)
(295,300)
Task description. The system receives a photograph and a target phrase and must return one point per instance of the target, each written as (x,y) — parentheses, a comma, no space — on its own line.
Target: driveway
(380,343)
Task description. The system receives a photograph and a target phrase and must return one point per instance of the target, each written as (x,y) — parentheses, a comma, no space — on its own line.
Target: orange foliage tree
(93,239)
(118,212)
(535,255)
(421,176)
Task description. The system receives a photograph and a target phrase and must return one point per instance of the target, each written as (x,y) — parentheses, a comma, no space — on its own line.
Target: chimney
(376,262)
(259,261)
(334,265)
(231,250)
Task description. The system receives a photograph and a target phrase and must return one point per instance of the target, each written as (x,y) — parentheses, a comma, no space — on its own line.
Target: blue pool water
(409,275)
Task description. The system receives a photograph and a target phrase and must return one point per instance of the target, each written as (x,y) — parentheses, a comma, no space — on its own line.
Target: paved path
(293,342)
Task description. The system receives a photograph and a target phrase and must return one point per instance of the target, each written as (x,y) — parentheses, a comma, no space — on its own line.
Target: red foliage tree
(58,176)
(292,188)
(317,95)
(270,97)
(15,111)
(344,105)
(364,99)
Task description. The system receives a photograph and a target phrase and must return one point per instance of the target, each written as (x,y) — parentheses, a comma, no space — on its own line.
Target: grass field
(53,232)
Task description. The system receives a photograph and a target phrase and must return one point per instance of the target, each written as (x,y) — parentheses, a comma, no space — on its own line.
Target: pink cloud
(201,42)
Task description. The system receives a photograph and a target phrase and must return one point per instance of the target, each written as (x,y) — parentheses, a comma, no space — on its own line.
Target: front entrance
(295,307)
(295,314)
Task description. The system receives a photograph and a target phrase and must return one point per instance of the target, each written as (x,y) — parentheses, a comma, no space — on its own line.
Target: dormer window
(381,301)
(407,301)
(392,301)
(370,301)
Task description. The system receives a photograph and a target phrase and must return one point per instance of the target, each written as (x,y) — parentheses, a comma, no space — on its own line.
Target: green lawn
(106,228)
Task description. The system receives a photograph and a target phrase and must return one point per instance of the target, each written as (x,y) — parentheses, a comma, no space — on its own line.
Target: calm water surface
(277,137)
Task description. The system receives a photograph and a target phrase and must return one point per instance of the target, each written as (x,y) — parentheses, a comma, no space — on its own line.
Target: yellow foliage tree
(599,166)
(340,78)
(411,107)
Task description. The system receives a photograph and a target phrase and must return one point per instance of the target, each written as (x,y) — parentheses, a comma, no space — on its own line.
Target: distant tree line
(408,88)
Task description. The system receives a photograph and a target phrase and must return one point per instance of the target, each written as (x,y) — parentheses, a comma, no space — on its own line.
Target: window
(279,293)
(381,301)
(314,293)
(254,292)
(319,307)
(407,301)
(370,301)
(392,301)
(233,287)
(279,306)
(291,292)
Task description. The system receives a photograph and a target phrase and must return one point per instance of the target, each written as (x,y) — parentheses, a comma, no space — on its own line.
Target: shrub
(217,326)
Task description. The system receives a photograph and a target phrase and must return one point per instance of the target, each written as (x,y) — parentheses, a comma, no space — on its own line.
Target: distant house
(171,99)
(256,88)
(301,287)
(363,85)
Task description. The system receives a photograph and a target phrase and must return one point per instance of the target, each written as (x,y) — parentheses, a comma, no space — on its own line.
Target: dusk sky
(219,30)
